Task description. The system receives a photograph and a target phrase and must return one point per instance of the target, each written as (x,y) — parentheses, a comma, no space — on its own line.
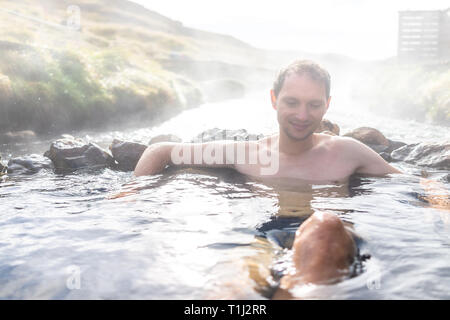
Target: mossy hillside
(50,90)
(54,78)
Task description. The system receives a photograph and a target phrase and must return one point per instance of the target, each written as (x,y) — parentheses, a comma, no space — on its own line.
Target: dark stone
(328,127)
(402,153)
(29,164)
(386,156)
(374,139)
(378,148)
(216,134)
(433,155)
(394,145)
(369,136)
(126,154)
(446,178)
(72,154)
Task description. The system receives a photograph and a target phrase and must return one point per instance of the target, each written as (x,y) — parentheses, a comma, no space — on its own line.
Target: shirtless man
(323,249)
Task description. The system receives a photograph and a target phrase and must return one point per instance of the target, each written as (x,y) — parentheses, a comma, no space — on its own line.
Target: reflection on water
(201,233)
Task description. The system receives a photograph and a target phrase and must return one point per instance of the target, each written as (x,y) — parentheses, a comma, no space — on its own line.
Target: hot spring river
(199,234)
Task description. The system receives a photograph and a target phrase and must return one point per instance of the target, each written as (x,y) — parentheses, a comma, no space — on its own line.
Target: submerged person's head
(301,96)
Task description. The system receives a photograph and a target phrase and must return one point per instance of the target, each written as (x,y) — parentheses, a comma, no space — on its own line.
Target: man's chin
(297,136)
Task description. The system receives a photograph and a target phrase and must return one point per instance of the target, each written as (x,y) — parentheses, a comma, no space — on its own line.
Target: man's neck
(294,147)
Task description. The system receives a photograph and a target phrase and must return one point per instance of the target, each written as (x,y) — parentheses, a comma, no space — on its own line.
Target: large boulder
(29,164)
(433,155)
(216,134)
(375,140)
(126,154)
(328,127)
(72,154)
(371,137)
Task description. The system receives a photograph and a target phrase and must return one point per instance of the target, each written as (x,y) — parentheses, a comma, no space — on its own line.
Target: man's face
(301,105)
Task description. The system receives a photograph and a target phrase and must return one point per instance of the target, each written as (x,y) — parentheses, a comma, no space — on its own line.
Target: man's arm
(210,154)
(154,159)
(368,161)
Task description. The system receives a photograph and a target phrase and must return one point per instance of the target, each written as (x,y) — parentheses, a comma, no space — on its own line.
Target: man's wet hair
(299,67)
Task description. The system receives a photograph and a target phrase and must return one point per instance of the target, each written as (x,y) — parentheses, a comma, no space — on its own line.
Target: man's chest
(318,167)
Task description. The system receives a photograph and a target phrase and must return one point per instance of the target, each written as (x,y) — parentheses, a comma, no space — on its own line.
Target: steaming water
(189,234)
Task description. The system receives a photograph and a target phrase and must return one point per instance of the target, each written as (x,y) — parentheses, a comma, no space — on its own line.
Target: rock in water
(370,137)
(328,127)
(126,154)
(72,154)
(216,134)
(374,139)
(435,155)
(394,145)
(29,164)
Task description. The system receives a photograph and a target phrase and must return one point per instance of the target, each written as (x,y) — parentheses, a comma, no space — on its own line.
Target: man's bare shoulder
(356,153)
(344,148)
(341,143)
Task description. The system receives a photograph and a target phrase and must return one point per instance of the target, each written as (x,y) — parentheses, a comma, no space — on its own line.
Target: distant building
(424,35)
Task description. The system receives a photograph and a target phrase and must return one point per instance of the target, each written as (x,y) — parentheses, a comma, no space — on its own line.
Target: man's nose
(302,113)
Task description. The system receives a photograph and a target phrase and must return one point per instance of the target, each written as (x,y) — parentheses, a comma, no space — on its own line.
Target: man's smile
(299,126)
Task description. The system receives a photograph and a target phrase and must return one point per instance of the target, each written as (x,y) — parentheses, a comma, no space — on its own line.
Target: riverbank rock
(446,178)
(72,154)
(165,138)
(371,137)
(216,134)
(126,154)
(29,164)
(3,167)
(434,155)
(17,136)
(375,140)
(328,127)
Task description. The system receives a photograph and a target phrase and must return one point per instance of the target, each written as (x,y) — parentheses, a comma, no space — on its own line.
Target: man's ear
(328,103)
(273,98)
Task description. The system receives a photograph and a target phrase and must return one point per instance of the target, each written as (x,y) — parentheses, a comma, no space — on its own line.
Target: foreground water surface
(199,234)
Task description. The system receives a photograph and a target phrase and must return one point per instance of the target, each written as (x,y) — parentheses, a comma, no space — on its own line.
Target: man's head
(301,96)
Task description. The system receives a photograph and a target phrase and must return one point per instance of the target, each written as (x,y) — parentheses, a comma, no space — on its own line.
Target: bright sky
(364,29)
